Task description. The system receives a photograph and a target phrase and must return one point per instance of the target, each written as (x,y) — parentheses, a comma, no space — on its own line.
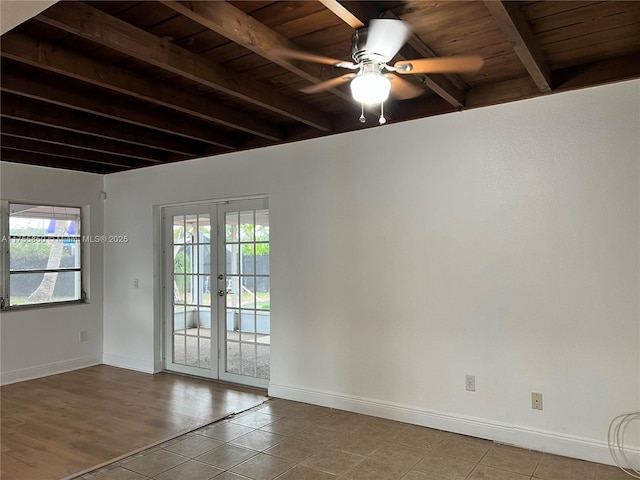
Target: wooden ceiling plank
(582,76)
(49,149)
(14,128)
(87,22)
(232,23)
(30,158)
(515,27)
(114,109)
(38,113)
(66,62)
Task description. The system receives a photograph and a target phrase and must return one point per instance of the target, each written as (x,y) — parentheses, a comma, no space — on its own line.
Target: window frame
(5,258)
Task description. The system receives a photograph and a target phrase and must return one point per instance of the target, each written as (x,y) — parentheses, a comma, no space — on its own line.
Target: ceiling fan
(375,79)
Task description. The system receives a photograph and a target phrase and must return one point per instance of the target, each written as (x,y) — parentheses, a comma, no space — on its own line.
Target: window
(42,258)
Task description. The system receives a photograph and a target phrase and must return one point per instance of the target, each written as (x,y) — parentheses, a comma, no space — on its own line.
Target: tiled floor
(286,440)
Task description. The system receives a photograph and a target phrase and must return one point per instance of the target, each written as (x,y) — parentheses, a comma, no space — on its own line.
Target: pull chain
(382,120)
(362,118)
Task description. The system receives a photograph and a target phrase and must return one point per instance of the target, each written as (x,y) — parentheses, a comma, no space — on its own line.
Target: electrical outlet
(470,383)
(84,335)
(536,401)
(136,283)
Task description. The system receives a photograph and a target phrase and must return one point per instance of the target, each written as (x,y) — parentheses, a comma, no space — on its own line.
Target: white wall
(45,341)
(501,242)
(14,12)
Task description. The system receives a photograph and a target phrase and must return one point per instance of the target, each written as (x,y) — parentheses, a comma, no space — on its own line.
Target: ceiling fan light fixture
(370,88)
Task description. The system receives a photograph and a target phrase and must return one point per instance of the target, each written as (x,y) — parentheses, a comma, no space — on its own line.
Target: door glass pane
(233,291)
(246,226)
(264,360)
(231,226)
(205,352)
(179,349)
(263,293)
(192,351)
(233,357)
(262,225)
(248,354)
(191,277)
(248,293)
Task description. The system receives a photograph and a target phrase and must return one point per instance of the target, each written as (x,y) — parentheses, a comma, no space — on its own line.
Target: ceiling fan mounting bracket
(359,51)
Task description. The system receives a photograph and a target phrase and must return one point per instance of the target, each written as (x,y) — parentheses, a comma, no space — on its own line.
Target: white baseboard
(525,437)
(39,371)
(129,363)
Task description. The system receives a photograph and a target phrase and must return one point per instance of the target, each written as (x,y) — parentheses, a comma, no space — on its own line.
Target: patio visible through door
(217,291)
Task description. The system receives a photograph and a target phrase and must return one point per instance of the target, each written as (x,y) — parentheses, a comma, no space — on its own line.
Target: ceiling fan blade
(403,90)
(310,57)
(460,64)
(326,85)
(385,36)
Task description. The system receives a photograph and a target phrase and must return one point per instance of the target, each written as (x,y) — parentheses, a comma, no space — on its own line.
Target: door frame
(164,302)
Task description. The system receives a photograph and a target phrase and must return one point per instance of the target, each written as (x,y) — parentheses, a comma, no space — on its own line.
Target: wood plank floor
(64,424)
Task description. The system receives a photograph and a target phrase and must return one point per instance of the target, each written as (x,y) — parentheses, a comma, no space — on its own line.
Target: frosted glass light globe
(370,88)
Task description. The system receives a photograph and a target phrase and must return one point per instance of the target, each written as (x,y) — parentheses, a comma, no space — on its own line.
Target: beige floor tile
(226,456)
(332,461)
(288,426)
(512,459)
(225,432)
(258,440)
(385,430)
(415,475)
(553,467)
(482,472)
(318,435)
(369,469)
(156,462)
(300,472)
(193,446)
(263,467)
(358,443)
(465,448)
(422,438)
(191,470)
(293,450)
(608,472)
(119,473)
(254,419)
(230,476)
(448,468)
(343,421)
(397,454)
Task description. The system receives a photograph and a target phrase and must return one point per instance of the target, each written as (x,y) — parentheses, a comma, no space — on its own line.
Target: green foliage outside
(25,250)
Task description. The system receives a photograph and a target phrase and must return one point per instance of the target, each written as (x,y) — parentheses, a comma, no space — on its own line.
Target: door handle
(221,293)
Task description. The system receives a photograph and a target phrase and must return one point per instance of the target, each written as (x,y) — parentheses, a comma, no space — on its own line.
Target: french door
(217,291)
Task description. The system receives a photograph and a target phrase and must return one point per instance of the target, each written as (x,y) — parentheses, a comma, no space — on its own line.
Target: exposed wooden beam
(39,113)
(42,134)
(30,158)
(114,109)
(354,14)
(232,23)
(598,73)
(60,60)
(583,76)
(95,25)
(514,25)
(15,143)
